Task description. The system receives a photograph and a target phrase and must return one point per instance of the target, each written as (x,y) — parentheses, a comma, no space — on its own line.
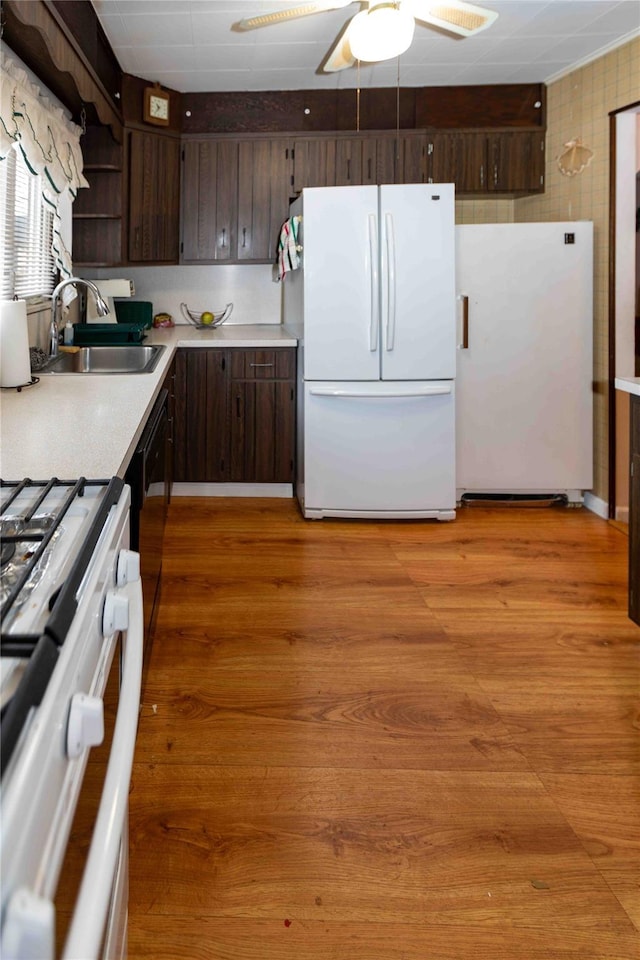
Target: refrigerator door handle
(465,322)
(373,253)
(391,282)
(428,390)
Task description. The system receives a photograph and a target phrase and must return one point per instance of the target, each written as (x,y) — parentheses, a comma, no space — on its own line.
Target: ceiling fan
(382,29)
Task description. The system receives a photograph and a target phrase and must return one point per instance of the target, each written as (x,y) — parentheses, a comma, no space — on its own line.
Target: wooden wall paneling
(487,105)
(133,98)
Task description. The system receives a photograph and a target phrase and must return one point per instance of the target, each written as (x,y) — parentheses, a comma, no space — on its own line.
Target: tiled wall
(578,106)
(484,211)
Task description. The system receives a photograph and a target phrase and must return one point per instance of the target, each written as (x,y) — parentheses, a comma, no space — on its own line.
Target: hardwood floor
(388,741)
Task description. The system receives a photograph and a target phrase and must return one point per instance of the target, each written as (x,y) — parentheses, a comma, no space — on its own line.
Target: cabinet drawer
(263,364)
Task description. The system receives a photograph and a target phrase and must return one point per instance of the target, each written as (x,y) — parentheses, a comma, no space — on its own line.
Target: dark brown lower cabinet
(262,415)
(234,415)
(201,442)
(634,513)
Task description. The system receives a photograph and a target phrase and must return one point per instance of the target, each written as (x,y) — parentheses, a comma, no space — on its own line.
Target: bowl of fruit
(206,319)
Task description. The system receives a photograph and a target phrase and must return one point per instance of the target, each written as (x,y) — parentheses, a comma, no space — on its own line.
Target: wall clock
(156,106)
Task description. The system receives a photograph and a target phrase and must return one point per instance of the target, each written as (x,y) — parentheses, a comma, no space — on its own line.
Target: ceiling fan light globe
(381,33)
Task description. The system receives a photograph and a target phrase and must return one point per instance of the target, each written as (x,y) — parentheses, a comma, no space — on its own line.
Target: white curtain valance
(48,141)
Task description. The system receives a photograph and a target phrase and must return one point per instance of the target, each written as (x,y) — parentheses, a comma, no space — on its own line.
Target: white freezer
(524,380)
(378,450)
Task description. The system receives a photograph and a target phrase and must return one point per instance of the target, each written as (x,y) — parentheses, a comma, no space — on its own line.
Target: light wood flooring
(388,741)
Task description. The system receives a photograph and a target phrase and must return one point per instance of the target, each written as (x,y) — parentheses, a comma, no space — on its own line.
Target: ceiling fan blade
(340,56)
(293,13)
(455,16)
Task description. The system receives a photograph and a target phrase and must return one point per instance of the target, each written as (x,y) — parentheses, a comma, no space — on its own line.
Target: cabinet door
(634,513)
(281,181)
(262,415)
(348,163)
(254,200)
(201,443)
(209,200)
(154,173)
(386,159)
(314,163)
(412,159)
(458,158)
(515,162)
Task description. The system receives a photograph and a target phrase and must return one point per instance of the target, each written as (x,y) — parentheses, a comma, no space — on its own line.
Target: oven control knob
(115,615)
(85,727)
(128,568)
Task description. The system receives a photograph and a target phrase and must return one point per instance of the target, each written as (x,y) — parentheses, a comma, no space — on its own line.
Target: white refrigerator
(373,304)
(525,366)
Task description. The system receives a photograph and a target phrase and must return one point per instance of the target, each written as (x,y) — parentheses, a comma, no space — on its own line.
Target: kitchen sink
(119,359)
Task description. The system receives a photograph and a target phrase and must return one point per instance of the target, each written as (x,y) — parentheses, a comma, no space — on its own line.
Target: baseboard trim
(275,490)
(596,505)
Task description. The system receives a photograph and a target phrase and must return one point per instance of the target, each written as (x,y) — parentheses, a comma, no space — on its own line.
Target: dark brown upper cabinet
(209,200)
(154,197)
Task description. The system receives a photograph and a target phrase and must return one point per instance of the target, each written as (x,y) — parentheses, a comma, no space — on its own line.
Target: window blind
(27,260)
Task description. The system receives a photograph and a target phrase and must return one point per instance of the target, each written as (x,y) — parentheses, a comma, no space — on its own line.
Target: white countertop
(628,384)
(72,425)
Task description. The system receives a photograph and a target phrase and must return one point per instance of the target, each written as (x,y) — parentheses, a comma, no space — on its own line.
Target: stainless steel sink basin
(129,358)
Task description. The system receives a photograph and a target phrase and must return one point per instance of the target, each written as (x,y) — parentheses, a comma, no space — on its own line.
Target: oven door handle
(92,905)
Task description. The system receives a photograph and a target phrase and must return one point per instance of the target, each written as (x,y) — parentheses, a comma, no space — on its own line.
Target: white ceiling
(188,45)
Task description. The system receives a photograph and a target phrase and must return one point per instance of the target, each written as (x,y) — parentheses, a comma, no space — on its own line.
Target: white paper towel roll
(15,365)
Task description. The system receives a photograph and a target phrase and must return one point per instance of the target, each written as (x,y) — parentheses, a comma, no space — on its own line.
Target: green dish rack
(108,334)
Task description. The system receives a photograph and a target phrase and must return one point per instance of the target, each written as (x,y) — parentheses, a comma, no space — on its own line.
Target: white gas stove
(71,618)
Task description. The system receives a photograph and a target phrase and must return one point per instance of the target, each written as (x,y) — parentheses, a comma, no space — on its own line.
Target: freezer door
(341,283)
(383,449)
(524,408)
(418,335)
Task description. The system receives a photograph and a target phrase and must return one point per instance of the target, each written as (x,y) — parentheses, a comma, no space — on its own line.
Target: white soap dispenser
(68,334)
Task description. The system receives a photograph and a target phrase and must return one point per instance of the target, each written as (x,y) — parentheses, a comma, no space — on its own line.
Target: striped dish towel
(288,250)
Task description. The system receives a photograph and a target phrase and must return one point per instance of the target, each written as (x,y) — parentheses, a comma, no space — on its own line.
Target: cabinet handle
(244,236)
(224,237)
(348,168)
(482,174)
(238,414)
(369,167)
(495,174)
(261,364)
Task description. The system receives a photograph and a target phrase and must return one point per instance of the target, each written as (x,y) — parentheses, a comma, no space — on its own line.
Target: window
(28,268)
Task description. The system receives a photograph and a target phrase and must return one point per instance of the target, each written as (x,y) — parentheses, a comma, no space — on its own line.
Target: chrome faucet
(101,309)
